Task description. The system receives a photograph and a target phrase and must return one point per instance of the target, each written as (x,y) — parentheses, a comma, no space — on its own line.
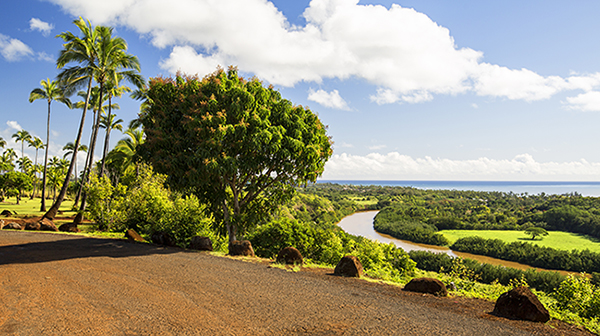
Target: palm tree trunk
(91,150)
(88,157)
(107,138)
(50,214)
(43,205)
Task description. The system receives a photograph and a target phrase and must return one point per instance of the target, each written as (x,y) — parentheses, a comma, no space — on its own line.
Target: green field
(555,239)
(30,208)
(363,201)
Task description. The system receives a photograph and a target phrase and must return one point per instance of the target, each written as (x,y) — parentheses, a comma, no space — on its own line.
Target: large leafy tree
(50,91)
(236,144)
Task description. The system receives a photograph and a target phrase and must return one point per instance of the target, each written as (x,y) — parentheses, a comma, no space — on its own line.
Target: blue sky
(410,90)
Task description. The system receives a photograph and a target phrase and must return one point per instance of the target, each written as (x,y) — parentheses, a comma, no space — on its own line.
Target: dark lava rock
(290,256)
(6,213)
(162,238)
(132,235)
(47,225)
(349,266)
(427,285)
(12,226)
(69,227)
(201,243)
(521,304)
(34,226)
(241,248)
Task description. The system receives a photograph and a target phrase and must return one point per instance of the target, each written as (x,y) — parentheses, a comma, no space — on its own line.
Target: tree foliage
(239,146)
(535,232)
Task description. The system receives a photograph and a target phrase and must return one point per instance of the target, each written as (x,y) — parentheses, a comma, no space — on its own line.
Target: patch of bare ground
(69,285)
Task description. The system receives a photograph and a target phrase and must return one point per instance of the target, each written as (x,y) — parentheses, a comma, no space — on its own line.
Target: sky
(409,90)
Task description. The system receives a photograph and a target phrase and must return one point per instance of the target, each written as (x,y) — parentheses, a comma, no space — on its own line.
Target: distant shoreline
(519,187)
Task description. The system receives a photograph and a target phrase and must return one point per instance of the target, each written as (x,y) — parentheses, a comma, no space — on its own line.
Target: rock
(290,256)
(162,238)
(47,225)
(12,226)
(69,227)
(241,248)
(6,213)
(201,243)
(521,304)
(132,235)
(34,226)
(349,266)
(427,285)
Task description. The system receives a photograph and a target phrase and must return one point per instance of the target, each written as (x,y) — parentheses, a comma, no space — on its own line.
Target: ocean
(517,187)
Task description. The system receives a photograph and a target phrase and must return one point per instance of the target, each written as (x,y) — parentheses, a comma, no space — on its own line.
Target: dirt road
(70,285)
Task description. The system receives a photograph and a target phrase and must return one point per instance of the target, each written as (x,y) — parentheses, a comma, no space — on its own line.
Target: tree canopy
(239,146)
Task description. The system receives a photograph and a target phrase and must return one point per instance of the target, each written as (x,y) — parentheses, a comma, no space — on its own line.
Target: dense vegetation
(486,273)
(530,254)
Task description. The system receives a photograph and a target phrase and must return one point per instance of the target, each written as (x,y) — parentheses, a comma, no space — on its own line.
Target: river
(361,224)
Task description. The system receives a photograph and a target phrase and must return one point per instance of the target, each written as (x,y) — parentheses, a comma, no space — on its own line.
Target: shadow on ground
(14,248)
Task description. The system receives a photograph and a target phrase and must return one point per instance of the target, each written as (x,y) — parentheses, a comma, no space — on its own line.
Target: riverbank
(361,224)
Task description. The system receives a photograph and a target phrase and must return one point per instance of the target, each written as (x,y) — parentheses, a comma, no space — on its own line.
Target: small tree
(234,143)
(536,231)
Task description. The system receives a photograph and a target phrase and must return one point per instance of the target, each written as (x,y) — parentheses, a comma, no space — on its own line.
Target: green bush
(328,246)
(579,295)
(147,206)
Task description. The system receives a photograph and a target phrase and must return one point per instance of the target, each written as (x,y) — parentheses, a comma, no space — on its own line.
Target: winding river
(361,224)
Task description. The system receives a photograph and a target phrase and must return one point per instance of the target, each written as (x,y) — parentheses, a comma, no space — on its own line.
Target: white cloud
(377,147)
(394,166)
(42,56)
(12,49)
(328,99)
(44,27)
(403,53)
(497,81)
(14,125)
(589,101)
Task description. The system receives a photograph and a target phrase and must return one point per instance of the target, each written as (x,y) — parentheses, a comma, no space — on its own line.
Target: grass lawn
(363,201)
(555,239)
(32,207)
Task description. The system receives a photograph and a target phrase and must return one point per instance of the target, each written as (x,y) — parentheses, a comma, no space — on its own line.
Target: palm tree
(125,153)
(36,143)
(2,142)
(113,65)
(97,110)
(69,147)
(22,136)
(81,50)
(50,90)
(6,164)
(108,123)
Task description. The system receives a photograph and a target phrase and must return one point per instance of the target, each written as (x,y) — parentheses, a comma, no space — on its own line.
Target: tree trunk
(50,214)
(85,172)
(107,138)
(91,149)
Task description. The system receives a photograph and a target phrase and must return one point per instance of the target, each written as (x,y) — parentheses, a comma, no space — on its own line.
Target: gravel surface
(54,284)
